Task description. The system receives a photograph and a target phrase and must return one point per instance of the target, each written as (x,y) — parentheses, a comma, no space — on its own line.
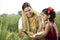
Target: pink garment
(52,35)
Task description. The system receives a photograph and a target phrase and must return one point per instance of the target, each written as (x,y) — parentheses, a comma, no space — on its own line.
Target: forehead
(43,13)
(27,8)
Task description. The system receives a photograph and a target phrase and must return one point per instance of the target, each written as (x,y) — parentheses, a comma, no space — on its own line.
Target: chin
(29,16)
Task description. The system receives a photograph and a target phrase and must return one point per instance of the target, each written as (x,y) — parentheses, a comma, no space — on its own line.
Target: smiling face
(28,11)
(45,17)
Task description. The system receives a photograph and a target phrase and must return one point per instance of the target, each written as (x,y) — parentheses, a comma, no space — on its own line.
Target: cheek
(25,13)
(28,14)
(44,17)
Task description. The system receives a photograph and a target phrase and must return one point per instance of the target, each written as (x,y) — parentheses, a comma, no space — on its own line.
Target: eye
(28,10)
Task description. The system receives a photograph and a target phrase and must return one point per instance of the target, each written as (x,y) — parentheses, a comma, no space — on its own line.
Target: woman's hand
(37,35)
(30,33)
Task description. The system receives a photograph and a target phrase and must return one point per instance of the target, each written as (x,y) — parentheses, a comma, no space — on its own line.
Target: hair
(26,4)
(50,11)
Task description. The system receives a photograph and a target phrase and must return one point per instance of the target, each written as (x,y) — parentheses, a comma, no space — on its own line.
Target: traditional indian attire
(53,34)
(31,25)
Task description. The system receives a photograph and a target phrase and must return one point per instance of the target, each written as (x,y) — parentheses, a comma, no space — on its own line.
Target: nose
(28,12)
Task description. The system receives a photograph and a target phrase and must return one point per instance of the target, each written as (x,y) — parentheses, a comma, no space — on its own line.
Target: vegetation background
(9,26)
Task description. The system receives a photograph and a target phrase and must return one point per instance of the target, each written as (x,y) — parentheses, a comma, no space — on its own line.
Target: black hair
(52,14)
(26,4)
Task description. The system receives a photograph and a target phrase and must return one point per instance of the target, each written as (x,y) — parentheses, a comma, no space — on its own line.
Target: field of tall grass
(58,22)
(9,27)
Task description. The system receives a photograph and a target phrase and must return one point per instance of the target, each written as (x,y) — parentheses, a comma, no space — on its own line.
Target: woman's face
(28,11)
(44,16)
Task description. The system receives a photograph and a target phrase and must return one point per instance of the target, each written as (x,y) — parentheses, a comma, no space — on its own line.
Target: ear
(48,16)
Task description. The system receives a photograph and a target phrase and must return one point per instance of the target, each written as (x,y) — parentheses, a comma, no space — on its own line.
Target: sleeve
(20,23)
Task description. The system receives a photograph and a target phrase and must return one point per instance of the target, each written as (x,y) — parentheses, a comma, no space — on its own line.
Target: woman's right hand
(30,33)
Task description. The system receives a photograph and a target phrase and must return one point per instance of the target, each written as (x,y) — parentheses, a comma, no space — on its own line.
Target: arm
(30,33)
(43,33)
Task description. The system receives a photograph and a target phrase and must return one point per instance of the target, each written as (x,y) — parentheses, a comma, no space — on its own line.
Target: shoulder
(20,19)
(48,26)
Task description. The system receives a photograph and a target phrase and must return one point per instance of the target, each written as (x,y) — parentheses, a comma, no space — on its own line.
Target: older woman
(30,22)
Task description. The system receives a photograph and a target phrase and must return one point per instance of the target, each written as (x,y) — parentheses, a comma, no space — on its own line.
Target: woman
(31,22)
